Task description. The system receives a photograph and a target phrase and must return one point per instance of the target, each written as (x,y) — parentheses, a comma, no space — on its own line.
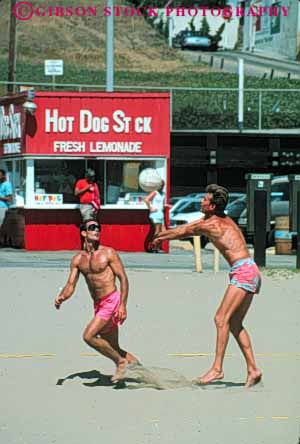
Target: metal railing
(211,109)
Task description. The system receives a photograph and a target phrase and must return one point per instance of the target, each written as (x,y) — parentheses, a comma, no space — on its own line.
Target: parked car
(192,39)
(235,208)
(185,206)
(188,210)
(182,205)
(279,207)
(174,200)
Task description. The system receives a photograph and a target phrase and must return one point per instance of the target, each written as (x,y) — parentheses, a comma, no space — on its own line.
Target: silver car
(192,40)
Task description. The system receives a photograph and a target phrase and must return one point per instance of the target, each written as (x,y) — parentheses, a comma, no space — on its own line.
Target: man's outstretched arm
(192,229)
(69,288)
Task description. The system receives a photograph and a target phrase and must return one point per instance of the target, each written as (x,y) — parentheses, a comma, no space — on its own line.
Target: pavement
(181,257)
(56,390)
(256,64)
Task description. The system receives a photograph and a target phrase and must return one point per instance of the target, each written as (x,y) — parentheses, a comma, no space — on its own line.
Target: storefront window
(55,180)
(122,180)
(16,174)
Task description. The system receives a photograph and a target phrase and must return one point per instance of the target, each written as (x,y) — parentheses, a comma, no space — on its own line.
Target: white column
(241,95)
(170,30)
(29,195)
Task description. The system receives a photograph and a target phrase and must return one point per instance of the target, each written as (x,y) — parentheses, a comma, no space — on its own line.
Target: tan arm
(148,199)
(200,226)
(69,288)
(119,271)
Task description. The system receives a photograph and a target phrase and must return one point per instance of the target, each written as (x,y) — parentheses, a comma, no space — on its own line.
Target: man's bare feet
(210,376)
(132,359)
(120,372)
(253,378)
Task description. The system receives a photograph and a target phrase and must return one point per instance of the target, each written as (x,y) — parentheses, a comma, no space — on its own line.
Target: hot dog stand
(46,152)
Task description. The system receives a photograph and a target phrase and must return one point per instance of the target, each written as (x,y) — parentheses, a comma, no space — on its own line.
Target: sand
(55,389)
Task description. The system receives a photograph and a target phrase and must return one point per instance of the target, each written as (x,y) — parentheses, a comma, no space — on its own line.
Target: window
(122,180)
(118,180)
(58,177)
(16,174)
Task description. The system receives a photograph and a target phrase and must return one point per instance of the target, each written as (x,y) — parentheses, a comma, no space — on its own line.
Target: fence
(212,109)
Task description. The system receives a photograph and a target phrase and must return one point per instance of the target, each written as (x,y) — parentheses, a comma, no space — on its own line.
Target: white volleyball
(149,180)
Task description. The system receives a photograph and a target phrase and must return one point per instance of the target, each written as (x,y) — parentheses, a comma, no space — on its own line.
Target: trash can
(283,237)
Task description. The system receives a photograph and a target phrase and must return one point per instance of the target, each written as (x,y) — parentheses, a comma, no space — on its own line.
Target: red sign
(100,124)
(11,127)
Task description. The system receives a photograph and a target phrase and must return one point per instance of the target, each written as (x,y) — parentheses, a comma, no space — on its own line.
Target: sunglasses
(93,227)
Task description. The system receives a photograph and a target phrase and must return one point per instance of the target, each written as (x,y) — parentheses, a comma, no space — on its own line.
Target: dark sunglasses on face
(93,227)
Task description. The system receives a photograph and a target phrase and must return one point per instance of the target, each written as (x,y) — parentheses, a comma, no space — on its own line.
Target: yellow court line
(280,417)
(36,355)
(182,355)
(260,417)
(47,355)
(16,356)
(187,355)
(233,354)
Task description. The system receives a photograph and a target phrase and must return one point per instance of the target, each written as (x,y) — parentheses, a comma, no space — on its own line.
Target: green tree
(218,36)
(191,25)
(205,29)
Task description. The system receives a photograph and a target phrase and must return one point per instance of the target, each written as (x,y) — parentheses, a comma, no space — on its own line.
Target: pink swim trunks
(245,274)
(107,308)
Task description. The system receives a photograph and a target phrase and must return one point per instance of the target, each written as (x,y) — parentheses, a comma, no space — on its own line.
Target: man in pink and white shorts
(245,280)
(100,267)
(107,308)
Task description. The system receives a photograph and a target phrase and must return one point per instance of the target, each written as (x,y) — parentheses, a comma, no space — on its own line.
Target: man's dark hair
(219,197)
(90,173)
(83,225)
(3,172)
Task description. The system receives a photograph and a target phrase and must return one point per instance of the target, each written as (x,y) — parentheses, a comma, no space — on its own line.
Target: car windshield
(191,207)
(236,207)
(180,206)
(280,190)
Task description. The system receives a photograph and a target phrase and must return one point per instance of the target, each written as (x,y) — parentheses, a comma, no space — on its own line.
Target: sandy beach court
(55,389)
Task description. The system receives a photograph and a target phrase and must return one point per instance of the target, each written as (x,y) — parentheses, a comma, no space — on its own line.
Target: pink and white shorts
(245,274)
(107,308)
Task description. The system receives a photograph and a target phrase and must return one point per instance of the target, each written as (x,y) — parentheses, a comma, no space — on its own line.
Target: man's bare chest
(93,264)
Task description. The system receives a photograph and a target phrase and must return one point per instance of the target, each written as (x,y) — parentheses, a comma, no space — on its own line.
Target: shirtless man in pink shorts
(100,266)
(244,279)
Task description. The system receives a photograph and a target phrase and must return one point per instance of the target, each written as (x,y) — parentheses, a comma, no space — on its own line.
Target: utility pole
(110,48)
(241,94)
(12,49)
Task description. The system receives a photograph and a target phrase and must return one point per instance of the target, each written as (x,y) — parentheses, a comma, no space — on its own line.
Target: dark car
(279,207)
(235,208)
(192,40)
(195,41)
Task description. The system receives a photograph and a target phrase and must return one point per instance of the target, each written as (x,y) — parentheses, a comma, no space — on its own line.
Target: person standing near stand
(6,194)
(89,197)
(155,202)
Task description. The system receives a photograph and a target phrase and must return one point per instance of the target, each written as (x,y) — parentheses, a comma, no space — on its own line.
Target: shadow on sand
(139,377)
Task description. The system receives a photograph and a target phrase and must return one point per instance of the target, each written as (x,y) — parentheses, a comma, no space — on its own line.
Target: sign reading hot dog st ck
(99,124)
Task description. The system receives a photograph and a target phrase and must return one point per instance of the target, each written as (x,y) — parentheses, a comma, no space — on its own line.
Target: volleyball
(149,180)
